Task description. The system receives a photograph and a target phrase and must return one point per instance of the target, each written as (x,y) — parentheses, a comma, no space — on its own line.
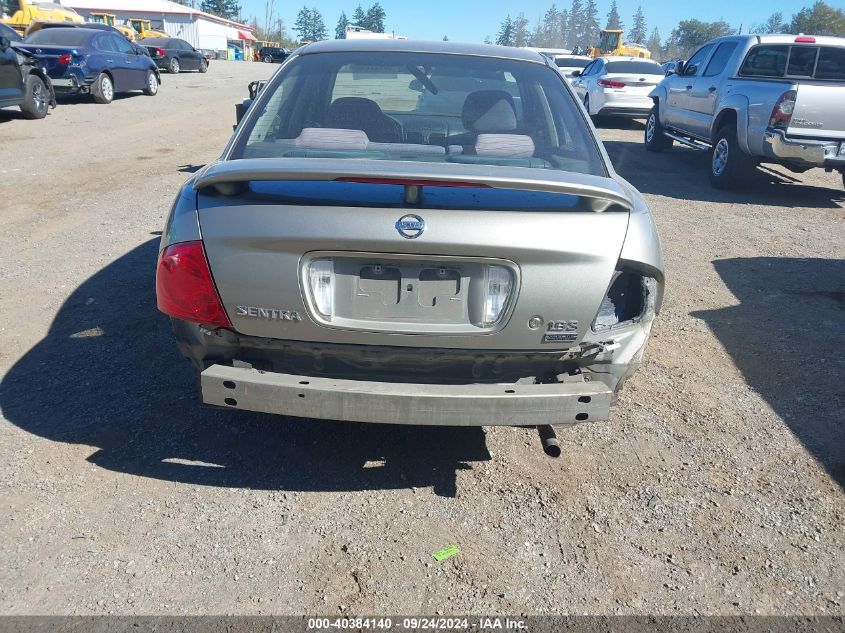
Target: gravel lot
(716,487)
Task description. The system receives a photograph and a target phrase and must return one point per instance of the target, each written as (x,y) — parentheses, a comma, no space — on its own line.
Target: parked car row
(91,58)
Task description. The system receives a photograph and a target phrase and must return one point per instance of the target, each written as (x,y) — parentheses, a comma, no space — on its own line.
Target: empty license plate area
(422,295)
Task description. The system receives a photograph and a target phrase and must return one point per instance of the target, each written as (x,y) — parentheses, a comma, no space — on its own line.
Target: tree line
(310,25)
(577,28)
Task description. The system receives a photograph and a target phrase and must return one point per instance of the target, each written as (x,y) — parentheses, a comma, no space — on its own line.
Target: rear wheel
(268,59)
(36,100)
(730,167)
(174,66)
(103,89)
(655,139)
(203,66)
(151,88)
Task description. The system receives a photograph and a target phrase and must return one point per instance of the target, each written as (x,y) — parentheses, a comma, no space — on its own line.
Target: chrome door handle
(109,61)
(712,89)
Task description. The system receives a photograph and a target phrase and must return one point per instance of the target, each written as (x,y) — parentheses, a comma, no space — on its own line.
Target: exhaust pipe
(551,445)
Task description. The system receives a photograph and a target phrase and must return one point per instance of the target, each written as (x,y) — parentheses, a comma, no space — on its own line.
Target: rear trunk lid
(49,56)
(412,257)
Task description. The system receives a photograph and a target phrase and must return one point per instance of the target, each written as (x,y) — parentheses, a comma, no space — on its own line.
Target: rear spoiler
(230,177)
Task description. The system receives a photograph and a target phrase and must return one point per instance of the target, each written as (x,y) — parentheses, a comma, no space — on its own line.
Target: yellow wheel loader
(20,14)
(611,44)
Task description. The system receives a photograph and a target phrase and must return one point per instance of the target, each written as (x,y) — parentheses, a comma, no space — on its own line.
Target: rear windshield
(564,62)
(156,41)
(637,68)
(423,108)
(784,60)
(59,37)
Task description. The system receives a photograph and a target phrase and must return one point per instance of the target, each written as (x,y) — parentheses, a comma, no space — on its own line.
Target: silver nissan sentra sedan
(413,233)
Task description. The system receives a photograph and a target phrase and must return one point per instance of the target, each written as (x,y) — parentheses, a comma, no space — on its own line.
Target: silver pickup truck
(753,99)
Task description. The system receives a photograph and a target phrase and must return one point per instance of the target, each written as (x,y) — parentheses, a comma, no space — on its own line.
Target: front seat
(486,112)
(356,113)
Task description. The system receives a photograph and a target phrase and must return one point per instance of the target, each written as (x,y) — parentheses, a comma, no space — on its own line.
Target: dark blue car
(82,61)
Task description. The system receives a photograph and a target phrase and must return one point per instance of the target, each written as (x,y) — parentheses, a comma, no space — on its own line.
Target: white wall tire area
(730,167)
(151,88)
(103,89)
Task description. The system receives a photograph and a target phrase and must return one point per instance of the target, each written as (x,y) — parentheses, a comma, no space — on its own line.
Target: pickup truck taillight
(782,112)
(184,286)
(609,83)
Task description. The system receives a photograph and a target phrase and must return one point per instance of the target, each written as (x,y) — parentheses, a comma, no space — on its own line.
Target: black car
(174,55)
(22,82)
(270,54)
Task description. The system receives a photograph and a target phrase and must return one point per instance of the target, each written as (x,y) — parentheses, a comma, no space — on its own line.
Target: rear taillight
(184,286)
(160,52)
(782,112)
(609,83)
(65,60)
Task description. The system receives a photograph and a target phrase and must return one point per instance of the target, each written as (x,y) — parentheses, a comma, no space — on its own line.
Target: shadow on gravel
(786,336)
(618,123)
(108,375)
(682,173)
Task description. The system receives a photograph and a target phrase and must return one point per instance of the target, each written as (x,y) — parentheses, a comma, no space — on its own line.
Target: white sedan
(618,86)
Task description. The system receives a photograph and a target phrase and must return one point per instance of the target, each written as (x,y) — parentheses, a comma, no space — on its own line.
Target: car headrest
(504,145)
(331,138)
(489,111)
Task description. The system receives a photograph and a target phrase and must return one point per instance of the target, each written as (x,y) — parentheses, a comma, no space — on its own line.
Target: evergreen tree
(638,31)
(520,30)
(591,28)
(375,18)
(613,19)
(318,26)
(309,25)
(506,33)
(229,9)
(445,38)
(359,18)
(653,43)
(563,29)
(340,29)
(575,27)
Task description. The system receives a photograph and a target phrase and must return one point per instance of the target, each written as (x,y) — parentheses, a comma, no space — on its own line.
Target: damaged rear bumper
(404,403)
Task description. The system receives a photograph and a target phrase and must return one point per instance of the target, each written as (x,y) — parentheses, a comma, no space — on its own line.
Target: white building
(359,33)
(202,30)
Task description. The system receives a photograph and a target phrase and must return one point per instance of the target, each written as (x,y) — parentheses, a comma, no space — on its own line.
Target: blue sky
(472,20)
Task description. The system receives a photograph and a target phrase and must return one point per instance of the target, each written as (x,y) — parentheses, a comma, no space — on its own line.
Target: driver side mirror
(679,69)
(4,43)
(575,73)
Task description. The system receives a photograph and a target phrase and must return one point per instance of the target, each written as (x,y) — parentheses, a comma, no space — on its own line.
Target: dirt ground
(715,488)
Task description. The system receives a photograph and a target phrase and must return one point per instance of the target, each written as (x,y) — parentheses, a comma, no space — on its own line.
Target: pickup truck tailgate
(819,111)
